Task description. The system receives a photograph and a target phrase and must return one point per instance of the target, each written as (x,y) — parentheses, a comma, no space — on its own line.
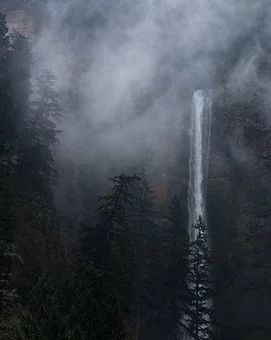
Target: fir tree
(35,164)
(175,248)
(97,241)
(35,175)
(43,317)
(6,119)
(107,244)
(197,300)
(95,313)
(7,142)
(124,245)
(144,262)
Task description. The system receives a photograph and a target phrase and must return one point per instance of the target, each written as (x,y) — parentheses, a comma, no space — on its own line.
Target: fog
(126,70)
(126,73)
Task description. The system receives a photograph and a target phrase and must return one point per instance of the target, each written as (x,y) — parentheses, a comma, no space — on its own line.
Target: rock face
(239,210)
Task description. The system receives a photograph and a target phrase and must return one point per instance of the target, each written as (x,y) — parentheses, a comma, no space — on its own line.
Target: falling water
(199,156)
(198,163)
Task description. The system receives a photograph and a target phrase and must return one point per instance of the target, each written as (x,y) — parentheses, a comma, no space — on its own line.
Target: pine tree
(6,119)
(197,300)
(144,263)
(7,142)
(35,166)
(43,317)
(107,243)
(97,241)
(95,313)
(175,247)
(20,75)
(124,245)
(35,175)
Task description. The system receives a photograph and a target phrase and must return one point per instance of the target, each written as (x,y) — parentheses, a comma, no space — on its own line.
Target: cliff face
(239,204)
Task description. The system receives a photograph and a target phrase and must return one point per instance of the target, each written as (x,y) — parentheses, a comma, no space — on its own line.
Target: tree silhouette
(197,299)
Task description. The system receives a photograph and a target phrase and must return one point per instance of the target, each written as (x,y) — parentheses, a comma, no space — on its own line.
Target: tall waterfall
(200,133)
(199,156)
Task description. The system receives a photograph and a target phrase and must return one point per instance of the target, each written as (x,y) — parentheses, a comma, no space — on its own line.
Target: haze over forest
(135,158)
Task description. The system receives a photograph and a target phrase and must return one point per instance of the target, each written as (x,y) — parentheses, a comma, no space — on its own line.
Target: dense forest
(95,138)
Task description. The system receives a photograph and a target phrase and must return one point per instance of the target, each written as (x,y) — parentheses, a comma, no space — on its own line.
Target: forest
(135,170)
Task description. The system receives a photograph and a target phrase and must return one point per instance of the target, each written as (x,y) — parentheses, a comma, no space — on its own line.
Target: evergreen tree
(197,300)
(35,164)
(95,312)
(20,76)
(124,246)
(175,248)
(35,174)
(7,142)
(6,119)
(144,263)
(43,317)
(107,244)
(97,241)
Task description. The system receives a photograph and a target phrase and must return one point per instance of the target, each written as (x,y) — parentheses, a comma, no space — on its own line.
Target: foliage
(197,300)
(7,220)
(95,313)
(43,318)
(97,240)
(174,261)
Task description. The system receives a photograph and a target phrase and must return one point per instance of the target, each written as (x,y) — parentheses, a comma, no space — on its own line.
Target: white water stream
(200,133)
(199,156)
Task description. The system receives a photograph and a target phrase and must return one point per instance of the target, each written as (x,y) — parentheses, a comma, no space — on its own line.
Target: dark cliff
(239,208)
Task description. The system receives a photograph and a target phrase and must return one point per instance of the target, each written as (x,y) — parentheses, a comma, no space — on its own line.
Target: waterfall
(200,133)
(199,156)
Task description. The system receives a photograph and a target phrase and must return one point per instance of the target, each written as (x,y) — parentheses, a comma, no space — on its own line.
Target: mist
(127,70)
(135,161)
